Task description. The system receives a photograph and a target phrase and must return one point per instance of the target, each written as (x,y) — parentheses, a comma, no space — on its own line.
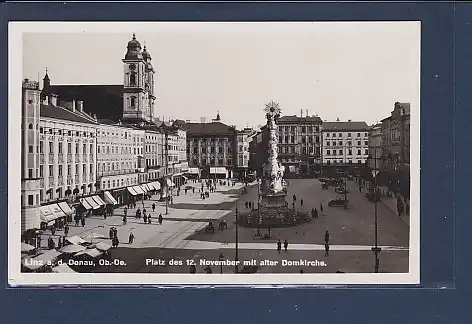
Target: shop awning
(108,197)
(76,240)
(138,190)
(193,171)
(98,200)
(218,170)
(103,246)
(57,211)
(65,208)
(62,268)
(46,215)
(144,188)
(94,253)
(132,191)
(156,185)
(92,202)
(149,186)
(85,203)
(185,178)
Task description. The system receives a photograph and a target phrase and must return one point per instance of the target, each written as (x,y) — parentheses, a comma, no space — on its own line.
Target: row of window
(342,162)
(304,139)
(62,132)
(349,143)
(305,150)
(341,134)
(114,149)
(212,150)
(51,169)
(304,129)
(349,152)
(60,148)
(213,162)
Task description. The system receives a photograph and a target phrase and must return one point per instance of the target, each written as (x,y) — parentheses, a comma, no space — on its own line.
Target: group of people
(279,245)
(146,216)
(314,211)
(326,239)
(113,233)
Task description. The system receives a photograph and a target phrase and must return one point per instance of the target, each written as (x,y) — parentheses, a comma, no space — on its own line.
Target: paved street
(181,235)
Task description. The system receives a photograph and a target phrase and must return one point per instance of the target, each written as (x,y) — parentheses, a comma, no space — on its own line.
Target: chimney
(301,112)
(80,105)
(53,99)
(46,100)
(69,104)
(306,110)
(337,119)
(349,120)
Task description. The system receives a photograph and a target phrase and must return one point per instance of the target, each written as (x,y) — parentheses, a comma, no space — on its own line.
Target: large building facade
(345,143)
(300,143)
(211,149)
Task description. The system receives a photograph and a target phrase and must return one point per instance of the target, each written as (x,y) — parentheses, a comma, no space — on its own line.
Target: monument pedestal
(273,200)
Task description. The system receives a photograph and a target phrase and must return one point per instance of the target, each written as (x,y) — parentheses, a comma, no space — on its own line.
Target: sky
(334,70)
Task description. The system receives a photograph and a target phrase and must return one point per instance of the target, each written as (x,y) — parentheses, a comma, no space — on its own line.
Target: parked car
(338,202)
(341,190)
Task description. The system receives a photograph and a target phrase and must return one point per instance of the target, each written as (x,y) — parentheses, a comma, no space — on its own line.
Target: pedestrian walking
(153,207)
(59,242)
(316,213)
(321,208)
(249,204)
(145,218)
(285,245)
(131,238)
(171,200)
(326,238)
(110,233)
(77,221)
(125,220)
(326,249)
(160,219)
(301,202)
(83,222)
(246,204)
(53,229)
(279,246)
(293,205)
(115,232)
(125,211)
(66,230)
(149,218)
(104,213)
(144,211)
(294,198)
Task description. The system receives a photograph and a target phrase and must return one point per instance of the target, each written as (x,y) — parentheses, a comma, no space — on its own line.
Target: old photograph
(214,153)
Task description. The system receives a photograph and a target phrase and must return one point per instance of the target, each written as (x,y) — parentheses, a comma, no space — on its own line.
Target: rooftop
(345,126)
(58,112)
(297,119)
(214,128)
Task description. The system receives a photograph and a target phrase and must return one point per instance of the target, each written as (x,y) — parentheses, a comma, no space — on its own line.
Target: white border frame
(16,278)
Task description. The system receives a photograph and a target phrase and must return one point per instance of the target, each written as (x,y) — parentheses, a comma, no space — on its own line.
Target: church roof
(105,101)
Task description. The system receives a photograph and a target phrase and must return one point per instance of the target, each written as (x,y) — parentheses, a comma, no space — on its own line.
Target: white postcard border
(16,278)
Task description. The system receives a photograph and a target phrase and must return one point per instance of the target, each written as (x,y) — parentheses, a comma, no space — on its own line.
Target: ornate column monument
(272,193)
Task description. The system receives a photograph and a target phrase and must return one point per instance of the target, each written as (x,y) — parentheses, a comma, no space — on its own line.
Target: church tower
(30,219)
(149,83)
(136,108)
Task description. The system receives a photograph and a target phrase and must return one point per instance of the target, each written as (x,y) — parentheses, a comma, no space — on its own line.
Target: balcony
(69,158)
(41,183)
(115,172)
(69,180)
(76,178)
(84,178)
(51,181)
(60,158)
(60,181)
(77,157)
(91,157)
(51,157)
(41,158)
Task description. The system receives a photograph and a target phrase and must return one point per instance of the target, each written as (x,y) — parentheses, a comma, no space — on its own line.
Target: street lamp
(376,249)
(236,258)
(220,258)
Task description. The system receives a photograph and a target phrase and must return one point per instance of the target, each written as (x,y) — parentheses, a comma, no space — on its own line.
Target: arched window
(30,126)
(133,102)
(132,79)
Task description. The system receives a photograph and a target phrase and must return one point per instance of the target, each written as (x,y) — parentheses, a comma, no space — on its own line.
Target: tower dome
(134,49)
(146,54)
